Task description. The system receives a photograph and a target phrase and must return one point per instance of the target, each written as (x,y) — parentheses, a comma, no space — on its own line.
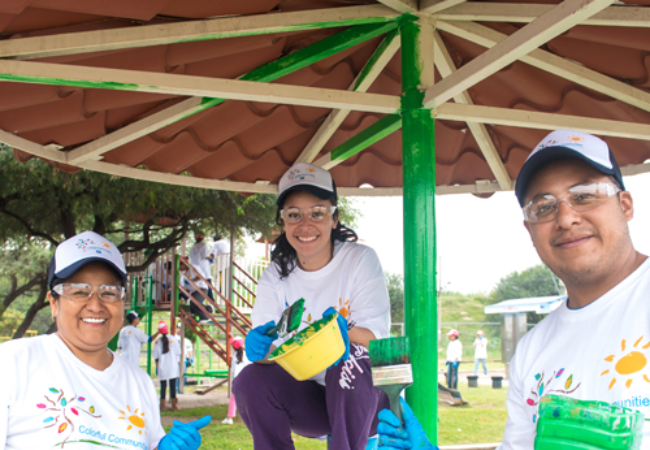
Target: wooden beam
(541,120)
(371,70)
(613,16)
(554,64)
(30,147)
(150,35)
(184,85)
(481,135)
(268,72)
(402,6)
(362,140)
(435,6)
(559,19)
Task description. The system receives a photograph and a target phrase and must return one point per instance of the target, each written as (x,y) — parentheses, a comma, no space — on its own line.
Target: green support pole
(419,224)
(149,319)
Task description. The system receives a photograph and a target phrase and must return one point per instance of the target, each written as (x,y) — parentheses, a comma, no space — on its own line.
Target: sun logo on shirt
(344,308)
(135,420)
(630,363)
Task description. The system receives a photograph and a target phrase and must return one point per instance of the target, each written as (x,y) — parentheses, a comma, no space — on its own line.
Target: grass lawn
(480,421)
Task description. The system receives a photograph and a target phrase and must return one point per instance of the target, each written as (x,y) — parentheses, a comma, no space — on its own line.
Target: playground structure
(135,89)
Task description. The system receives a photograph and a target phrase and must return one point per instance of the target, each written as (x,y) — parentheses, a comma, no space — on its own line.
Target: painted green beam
(309,55)
(374,133)
(419,181)
(268,72)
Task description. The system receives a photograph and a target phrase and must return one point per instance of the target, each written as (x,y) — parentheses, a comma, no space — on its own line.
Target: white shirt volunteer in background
(131,339)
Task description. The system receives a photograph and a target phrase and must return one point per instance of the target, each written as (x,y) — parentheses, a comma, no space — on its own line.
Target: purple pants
(272,404)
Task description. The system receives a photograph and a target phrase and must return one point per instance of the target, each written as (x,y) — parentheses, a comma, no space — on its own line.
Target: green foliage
(395,285)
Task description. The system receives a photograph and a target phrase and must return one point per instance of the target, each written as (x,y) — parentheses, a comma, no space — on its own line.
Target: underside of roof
(481,139)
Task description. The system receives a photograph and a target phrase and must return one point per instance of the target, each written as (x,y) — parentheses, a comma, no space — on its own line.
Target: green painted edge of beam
(370,64)
(63,82)
(375,132)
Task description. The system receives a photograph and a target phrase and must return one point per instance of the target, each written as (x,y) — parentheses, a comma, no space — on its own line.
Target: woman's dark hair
(284,255)
(239,353)
(165,344)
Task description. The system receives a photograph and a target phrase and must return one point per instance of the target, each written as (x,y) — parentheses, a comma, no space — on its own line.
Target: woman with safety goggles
(68,387)
(316,258)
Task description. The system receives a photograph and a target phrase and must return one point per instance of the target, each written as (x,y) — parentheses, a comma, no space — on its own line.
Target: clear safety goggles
(82,292)
(315,213)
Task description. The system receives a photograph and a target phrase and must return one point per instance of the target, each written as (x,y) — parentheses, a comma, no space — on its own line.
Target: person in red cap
(167,353)
(237,362)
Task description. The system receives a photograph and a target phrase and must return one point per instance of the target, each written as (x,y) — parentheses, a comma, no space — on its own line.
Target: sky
(479,240)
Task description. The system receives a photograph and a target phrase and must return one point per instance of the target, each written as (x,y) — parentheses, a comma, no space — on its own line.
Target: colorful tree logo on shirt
(544,387)
(629,364)
(62,411)
(135,420)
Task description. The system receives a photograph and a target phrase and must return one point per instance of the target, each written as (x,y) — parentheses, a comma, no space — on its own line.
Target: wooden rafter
(184,85)
(446,67)
(402,6)
(554,64)
(613,16)
(541,120)
(150,35)
(435,6)
(382,56)
(541,30)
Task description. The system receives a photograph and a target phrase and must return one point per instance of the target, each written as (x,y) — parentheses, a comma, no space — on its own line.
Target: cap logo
(295,174)
(89,245)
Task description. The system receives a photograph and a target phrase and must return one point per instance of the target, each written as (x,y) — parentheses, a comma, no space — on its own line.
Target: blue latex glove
(394,436)
(343,326)
(184,436)
(455,364)
(258,344)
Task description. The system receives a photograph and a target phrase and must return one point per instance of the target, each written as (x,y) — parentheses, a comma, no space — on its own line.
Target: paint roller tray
(311,350)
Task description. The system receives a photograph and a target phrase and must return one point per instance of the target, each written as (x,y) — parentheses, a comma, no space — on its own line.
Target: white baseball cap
(306,177)
(74,253)
(567,144)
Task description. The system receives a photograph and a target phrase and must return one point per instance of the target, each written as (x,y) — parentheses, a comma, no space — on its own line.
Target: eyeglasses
(315,213)
(580,198)
(81,292)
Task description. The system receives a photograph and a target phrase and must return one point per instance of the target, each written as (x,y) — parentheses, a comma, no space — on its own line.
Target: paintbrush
(290,319)
(391,368)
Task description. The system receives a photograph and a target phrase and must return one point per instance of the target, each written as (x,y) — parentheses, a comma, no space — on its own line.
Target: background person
(316,258)
(237,363)
(167,352)
(68,387)
(200,259)
(454,357)
(131,338)
(480,352)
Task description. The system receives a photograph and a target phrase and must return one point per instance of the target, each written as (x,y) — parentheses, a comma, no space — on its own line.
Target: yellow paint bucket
(312,350)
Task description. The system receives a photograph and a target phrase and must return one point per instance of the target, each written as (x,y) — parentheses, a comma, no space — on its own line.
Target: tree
(537,281)
(395,285)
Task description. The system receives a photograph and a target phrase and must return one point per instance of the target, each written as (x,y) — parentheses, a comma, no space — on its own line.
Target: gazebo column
(419,222)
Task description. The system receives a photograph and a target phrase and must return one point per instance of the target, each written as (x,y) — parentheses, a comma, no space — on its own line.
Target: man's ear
(627,204)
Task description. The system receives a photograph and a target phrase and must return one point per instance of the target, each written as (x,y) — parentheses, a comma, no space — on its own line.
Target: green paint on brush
(375,132)
(389,352)
(290,319)
(301,337)
(70,82)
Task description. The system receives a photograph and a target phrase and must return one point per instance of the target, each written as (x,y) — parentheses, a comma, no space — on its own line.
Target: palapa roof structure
(129,87)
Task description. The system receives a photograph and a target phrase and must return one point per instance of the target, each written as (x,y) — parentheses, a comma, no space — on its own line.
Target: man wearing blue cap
(596,345)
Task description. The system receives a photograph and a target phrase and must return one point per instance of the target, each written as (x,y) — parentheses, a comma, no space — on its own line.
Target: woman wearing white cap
(131,338)
(69,388)
(316,258)
(167,353)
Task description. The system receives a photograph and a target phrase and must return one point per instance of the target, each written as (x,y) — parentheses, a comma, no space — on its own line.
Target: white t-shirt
(49,396)
(130,340)
(188,346)
(599,352)
(220,248)
(237,367)
(480,348)
(190,274)
(167,362)
(454,350)
(199,258)
(352,282)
